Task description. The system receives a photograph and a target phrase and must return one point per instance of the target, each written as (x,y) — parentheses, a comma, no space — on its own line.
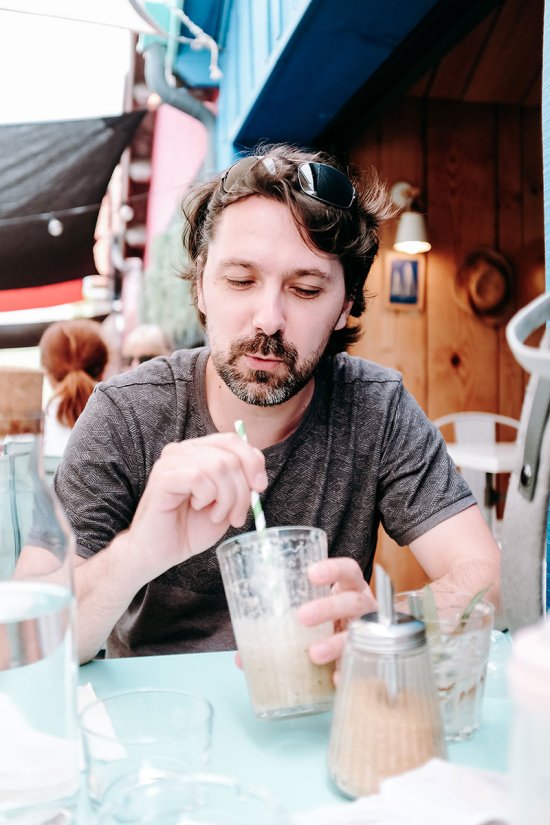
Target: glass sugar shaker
(529,683)
(386,716)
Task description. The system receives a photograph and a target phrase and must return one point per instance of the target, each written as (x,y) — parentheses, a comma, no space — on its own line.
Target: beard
(261,387)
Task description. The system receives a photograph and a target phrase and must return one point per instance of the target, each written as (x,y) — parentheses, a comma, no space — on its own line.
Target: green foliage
(430,615)
(166,299)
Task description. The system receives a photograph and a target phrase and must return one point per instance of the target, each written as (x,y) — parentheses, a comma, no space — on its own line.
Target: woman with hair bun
(73,356)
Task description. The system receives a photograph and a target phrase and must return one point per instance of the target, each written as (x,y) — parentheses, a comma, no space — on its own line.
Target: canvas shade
(59,169)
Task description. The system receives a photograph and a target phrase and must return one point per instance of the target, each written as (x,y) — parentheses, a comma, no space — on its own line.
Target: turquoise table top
(288,757)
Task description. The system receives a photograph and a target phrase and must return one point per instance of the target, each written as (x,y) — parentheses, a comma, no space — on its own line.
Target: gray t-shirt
(363,453)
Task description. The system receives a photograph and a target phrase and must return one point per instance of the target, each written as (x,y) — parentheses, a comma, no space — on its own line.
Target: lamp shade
(411,236)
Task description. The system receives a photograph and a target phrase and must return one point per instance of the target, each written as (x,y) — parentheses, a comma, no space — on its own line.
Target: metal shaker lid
(386,631)
(368,634)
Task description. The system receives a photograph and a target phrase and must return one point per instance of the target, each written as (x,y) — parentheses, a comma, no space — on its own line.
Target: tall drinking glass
(265,577)
(39,774)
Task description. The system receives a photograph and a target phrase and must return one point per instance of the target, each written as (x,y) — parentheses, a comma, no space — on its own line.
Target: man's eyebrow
(243,262)
(311,272)
(304,272)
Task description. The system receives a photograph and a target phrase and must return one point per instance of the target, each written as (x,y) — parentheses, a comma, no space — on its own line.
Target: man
(154,476)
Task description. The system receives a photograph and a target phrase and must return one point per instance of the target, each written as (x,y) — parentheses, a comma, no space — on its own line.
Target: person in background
(73,355)
(145,342)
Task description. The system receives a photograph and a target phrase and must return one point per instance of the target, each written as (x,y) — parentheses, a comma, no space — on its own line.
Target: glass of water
(39,773)
(143,735)
(459,648)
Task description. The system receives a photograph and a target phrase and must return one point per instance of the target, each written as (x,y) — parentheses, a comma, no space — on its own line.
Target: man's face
(271,302)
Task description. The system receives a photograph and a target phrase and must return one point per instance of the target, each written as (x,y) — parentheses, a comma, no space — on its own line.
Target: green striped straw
(255,503)
(279,597)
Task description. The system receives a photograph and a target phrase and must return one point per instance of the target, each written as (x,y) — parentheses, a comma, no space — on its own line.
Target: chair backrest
(470,428)
(476,427)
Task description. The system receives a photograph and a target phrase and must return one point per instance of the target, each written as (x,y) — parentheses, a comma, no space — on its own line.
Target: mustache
(262,344)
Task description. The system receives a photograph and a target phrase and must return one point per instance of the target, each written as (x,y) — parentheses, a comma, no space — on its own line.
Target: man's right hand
(197,489)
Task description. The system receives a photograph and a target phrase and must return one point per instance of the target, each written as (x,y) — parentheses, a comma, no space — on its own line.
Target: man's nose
(270,314)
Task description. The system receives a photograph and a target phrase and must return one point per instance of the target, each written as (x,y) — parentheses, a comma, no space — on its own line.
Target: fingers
(342,573)
(329,650)
(338,607)
(350,595)
(216,474)
(230,450)
(350,598)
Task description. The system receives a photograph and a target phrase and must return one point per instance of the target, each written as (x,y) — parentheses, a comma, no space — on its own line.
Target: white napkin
(33,765)
(434,793)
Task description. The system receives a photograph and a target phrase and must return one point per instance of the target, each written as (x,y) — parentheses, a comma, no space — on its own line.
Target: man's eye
(302,292)
(238,284)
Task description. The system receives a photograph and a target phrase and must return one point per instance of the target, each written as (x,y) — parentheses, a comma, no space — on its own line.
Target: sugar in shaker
(386,716)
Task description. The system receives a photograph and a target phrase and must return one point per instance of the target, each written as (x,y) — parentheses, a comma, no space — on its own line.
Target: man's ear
(199,269)
(344,315)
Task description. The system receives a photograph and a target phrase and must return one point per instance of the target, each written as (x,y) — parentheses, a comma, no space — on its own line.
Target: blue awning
(291,68)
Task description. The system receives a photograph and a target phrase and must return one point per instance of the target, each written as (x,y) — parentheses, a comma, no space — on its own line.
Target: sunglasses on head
(317,180)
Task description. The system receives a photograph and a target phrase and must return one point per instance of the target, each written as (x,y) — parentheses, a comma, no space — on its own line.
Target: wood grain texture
(480,169)
(510,242)
(505,71)
(462,351)
(498,61)
(458,66)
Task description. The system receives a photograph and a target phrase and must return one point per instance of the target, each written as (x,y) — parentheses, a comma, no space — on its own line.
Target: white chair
(477,452)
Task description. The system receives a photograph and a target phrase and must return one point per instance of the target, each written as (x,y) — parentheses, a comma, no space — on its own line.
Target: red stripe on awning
(41,296)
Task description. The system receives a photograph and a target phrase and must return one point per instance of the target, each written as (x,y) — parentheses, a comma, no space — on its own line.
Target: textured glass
(386,719)
(265,577)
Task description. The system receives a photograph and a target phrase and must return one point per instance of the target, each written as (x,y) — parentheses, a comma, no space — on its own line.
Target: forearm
(460,555)
(469,578)
(105,585)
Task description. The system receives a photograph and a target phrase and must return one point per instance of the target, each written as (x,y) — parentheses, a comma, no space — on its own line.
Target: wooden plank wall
(480,170)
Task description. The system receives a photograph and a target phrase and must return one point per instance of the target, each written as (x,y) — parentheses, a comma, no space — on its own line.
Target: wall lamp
(411,236)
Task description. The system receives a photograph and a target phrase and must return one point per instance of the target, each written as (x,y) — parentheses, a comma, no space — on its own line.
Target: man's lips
(263,362)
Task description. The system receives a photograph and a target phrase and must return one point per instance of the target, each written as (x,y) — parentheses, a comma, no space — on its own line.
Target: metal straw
(384,596)
(387,617)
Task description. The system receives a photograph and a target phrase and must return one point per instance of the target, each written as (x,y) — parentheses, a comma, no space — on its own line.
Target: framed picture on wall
(404,281)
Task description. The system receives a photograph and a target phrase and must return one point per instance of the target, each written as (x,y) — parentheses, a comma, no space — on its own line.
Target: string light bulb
(55,227)
(126,212)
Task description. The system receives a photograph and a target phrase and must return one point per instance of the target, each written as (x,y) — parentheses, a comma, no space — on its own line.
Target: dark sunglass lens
(327,184)
(333,186)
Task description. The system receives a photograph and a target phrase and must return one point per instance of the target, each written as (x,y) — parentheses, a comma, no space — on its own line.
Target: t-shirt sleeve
(419,485)
(97,481)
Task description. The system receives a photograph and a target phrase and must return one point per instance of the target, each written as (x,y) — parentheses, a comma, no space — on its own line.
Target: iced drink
(460,651)
(265,580)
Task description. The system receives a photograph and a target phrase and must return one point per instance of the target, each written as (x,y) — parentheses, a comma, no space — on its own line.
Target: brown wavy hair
(353,234)
(75,355)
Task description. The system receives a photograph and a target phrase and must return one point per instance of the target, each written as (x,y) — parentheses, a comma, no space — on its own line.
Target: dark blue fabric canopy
(59,169)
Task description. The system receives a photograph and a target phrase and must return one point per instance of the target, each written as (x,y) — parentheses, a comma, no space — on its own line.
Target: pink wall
(179,147)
